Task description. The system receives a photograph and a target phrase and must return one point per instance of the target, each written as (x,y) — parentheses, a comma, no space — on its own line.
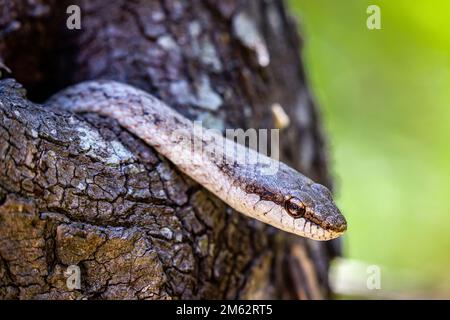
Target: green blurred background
(385,101)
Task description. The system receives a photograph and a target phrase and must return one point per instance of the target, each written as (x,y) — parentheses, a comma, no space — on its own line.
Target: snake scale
(285,199)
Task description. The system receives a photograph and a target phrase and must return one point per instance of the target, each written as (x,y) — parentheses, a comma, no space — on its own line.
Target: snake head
(314,212)
(289,201)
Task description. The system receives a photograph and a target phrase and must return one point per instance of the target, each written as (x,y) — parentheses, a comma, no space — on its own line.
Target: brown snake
(285,199)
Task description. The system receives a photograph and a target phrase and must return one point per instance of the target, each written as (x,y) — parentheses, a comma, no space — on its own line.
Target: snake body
(285,199)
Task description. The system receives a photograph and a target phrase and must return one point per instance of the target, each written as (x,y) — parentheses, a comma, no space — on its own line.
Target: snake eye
(295,208)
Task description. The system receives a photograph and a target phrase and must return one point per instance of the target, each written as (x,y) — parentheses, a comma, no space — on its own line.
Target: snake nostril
(341,223)
(336,223)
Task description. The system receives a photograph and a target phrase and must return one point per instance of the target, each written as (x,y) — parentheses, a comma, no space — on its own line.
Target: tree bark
(83,191)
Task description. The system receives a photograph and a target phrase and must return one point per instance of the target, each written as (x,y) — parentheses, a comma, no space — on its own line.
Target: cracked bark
(81,190)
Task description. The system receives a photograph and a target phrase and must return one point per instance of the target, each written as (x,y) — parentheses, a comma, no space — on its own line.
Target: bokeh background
(385,102)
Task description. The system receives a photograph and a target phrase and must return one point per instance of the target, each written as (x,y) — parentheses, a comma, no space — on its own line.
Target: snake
(284,198)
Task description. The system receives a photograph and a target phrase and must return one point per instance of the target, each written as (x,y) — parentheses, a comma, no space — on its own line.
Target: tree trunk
(82,191)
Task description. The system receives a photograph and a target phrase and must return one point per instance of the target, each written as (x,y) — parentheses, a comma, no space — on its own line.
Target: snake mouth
(312,230)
